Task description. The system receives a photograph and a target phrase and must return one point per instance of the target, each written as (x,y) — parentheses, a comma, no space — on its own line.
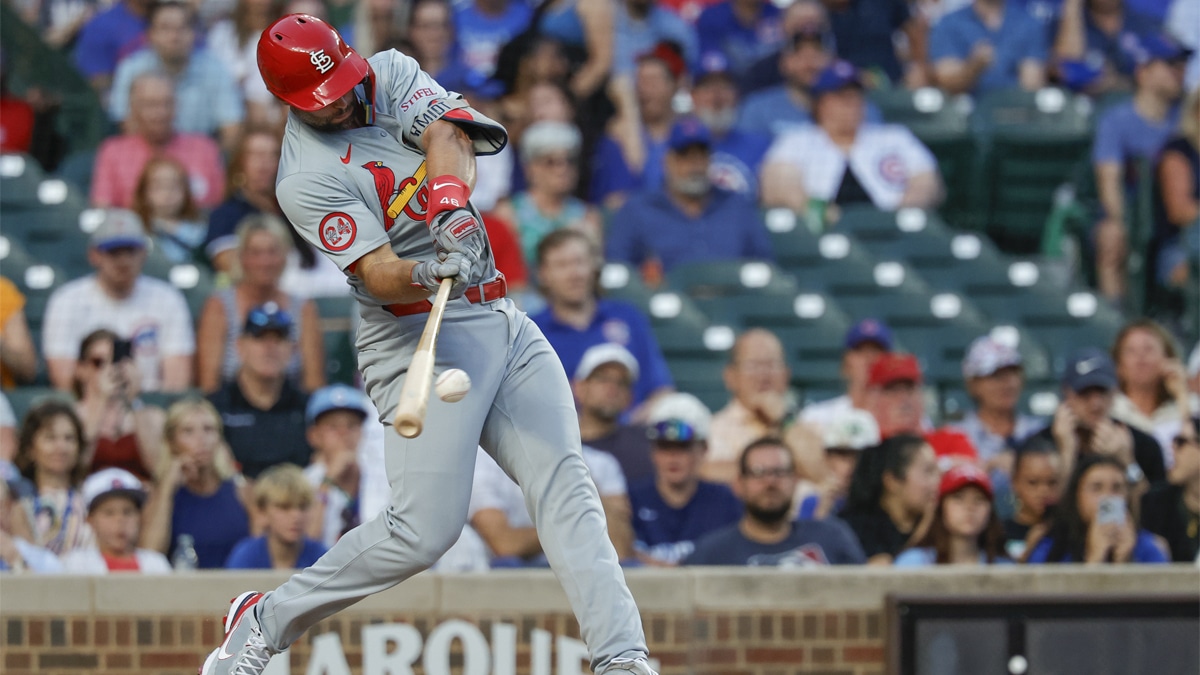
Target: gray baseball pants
(521,411)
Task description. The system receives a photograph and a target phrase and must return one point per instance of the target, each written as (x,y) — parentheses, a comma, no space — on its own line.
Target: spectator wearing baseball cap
(263,412)
(685,218)
(760,405)
(965,529)
(894,394)
(1136,129)
(739,32)
(149,312)
(114,500)
(1111,39)
(845,438)
(737,155)
(603,385)
(996,428)
(865,342)
(336,416)
(845,160)
(675,507)
(17,553)
(1083,424)
(808,50)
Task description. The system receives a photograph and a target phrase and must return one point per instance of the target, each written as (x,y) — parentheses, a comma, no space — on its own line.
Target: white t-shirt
(154,317)
(89,561)
(39,560)
(493,489)
(241,60)
(883,158)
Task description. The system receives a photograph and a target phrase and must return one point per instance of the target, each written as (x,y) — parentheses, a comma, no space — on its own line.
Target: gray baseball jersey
(349,192)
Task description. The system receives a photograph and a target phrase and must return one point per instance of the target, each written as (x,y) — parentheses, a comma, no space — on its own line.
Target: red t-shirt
(506,249)
(129,564)
(16,125)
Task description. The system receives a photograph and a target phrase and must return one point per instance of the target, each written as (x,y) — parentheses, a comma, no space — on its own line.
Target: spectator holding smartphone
(118,429)
(1036,482)
(1093,523)
(965,529)
(1153,395)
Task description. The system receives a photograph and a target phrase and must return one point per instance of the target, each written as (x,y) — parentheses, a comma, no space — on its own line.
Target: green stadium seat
(793,242)
(775,311)
(195,281)
(868,224)
(76,169)
(20,176)
(925,106)
(726,278)
(623,282)
(23,398)
(702,374)
(844,266)
(814,351)
(341,357)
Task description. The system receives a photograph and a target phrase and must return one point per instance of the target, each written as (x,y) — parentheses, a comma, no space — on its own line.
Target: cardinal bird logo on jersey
(387,189)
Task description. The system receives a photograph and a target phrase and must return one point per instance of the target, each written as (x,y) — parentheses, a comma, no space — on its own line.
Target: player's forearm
(449,151)
(391,280)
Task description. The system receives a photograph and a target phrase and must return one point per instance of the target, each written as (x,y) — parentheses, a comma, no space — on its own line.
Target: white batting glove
(429,273)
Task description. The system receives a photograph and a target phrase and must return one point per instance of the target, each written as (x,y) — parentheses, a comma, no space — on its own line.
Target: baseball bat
(414,395)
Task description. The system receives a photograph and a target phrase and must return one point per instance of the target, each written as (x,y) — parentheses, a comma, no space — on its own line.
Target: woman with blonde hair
(1152,386)
(199,492)
(262,248)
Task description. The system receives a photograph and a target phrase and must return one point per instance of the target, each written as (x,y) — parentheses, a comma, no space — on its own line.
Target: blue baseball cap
(1090,368)
(869,330)
(689,132)
(839,75)
(1157,47)
(267,318)
(335,397)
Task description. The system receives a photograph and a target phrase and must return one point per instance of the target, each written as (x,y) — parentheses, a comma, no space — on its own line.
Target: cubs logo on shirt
(337,231)
(892,169)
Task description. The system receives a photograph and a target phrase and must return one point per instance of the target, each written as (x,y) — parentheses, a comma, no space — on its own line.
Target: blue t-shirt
(812,543)
(617,322)
(216,522)
(1120,50)
(610,173)
(106,39)
(480,36)
(808,507)
(1122,135)
(723,35)
(207,97)
(1019,38)
(650,226)
(1145,550)
(863,30)
(923,557)
(670,534)
(772,111)
(634,37)
(736,160)
(252,553)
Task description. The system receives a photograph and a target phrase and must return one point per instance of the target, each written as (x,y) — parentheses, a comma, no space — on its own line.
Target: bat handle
(414,395)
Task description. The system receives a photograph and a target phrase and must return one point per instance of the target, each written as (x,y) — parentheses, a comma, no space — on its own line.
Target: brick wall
(698,621)
(725,643)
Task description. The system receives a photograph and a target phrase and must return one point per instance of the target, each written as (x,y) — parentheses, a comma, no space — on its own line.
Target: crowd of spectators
(642,132)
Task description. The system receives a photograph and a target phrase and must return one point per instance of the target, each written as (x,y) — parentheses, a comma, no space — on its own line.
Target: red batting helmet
(305,62)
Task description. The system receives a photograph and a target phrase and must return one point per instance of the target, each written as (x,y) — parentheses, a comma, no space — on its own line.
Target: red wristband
(446,193)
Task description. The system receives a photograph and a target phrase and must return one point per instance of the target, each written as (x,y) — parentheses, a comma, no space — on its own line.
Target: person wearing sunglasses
(766,535)
(1171,510)
(675,508)
(263,412)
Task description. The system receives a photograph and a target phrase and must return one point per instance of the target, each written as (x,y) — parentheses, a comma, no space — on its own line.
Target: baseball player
(376,171)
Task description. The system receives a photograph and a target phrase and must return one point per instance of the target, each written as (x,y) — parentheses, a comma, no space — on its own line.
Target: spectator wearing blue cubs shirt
(742,31)
(575,319)
(736,155)
(766,536)
(687,219)
(988,45)
(483,27)
(642,24)
(284,498)
(617,170)
(1127,133)
(1101,39)
(776,109)
(107,38)
(675,508)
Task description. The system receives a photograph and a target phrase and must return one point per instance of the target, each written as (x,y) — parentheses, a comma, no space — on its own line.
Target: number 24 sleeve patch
(337,231)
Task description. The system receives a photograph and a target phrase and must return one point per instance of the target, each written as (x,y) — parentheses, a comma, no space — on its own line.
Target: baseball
(452,385)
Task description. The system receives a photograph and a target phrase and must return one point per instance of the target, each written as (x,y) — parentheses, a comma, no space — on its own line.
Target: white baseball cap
(851,429)
(987,355)
(605,352)
(110,481)
(679,417)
